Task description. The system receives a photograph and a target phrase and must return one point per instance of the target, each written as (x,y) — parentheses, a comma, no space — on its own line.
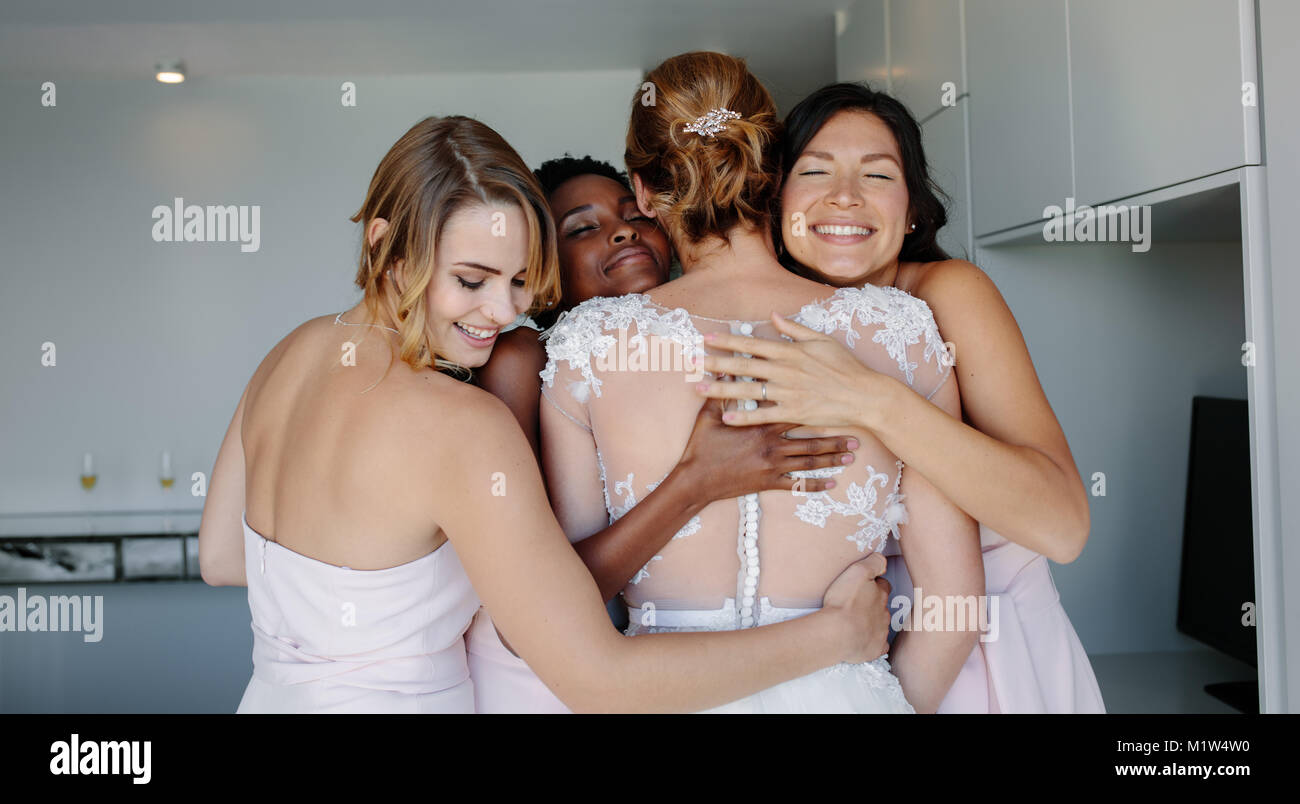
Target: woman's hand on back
(725,461)
(812,380)
(861,598)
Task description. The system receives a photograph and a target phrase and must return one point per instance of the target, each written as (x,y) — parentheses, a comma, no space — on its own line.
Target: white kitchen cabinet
(1157,88)
(944,138)
(925,52)
(1019,110)
(861,52)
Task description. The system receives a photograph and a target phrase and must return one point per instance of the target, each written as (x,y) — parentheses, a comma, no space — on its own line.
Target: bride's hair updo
(702,185)
(438,167)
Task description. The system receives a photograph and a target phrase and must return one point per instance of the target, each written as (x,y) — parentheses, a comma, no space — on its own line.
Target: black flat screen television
(1217,580)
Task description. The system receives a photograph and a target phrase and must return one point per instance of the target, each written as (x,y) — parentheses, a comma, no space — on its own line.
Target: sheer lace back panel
(619,369)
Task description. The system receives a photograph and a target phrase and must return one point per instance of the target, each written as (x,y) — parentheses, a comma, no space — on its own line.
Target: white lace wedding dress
(618,372)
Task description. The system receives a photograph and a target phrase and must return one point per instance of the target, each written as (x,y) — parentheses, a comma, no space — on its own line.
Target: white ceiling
(789,45)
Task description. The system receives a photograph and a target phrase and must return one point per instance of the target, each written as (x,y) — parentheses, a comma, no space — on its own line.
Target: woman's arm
(545,602)
(1010,468)
(511,376)
(719,463)
(941,546)
(221,530)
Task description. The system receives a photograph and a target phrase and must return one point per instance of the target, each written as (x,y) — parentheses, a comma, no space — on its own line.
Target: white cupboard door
(1158,96)
(1019,110)
(860,50)
(925,61)
(944,138)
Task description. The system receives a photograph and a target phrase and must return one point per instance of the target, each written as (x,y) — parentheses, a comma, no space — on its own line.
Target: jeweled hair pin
(708,125)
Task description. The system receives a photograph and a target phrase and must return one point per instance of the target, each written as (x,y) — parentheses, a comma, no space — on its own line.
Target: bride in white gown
(621,400)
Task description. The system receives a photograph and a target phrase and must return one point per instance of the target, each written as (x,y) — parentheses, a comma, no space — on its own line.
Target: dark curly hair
(555,172)
(926,200)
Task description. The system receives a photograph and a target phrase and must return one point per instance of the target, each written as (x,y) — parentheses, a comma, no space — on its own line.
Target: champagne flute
(166,479)
(88,476)
(165,476)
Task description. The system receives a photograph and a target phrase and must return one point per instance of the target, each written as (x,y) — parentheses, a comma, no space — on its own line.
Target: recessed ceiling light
(170,72)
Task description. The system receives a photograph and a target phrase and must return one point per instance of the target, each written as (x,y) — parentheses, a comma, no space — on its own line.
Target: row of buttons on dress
(749,508)
(751,560)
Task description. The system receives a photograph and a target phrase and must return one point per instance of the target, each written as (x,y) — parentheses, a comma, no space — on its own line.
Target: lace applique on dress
(905,319)
(899,320)
(625,491)
(873,528)
(584,336)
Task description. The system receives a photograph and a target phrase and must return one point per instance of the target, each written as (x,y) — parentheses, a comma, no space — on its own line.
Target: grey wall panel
(1157,89)
(861,51)
(1279,20)
(944,137)
(1020,110)
(925,51)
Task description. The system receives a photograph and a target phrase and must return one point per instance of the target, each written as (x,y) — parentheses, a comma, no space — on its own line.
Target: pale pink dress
(1032,662)
(333,639)
(504,683)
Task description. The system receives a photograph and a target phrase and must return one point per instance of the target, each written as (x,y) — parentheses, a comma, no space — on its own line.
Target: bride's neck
(745,250)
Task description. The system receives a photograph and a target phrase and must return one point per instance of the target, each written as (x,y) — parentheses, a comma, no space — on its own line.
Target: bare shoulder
(960,295)
(278,352)
(517,349)
(950,279)
(307,329)
(455,417)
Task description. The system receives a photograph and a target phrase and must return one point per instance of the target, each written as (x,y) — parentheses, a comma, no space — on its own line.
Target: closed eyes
(576,232)
(824,173)
(517,282)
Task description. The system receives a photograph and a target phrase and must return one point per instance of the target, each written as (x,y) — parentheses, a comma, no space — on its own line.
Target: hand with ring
(813,380)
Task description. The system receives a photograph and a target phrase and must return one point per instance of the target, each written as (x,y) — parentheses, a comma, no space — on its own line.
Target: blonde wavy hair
(437,167)
(704,186)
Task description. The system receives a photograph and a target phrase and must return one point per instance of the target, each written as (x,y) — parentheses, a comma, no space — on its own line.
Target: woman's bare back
(712,295)
(331,470)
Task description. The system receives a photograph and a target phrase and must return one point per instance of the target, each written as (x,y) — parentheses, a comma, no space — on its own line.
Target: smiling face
(849,186)
(478,281)
(607,247)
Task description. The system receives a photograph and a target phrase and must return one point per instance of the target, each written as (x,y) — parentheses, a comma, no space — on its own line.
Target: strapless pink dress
(333,639)
(503,683)
(1034,662)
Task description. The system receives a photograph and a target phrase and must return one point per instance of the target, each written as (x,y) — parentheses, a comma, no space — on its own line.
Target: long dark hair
(926,200)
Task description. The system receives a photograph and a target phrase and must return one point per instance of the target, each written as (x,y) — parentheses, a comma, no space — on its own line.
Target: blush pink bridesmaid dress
(1034,662)
(504,683)
(332,639)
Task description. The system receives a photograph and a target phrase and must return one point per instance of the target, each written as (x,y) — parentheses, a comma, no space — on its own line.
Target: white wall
(1122,342)
(155,341)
